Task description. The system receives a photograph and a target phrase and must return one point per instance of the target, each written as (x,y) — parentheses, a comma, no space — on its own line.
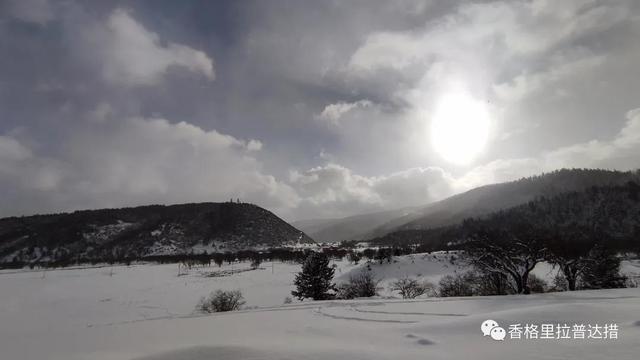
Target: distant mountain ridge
(491,198)
(475,202)
(143,231)
(609,214)
(356,227)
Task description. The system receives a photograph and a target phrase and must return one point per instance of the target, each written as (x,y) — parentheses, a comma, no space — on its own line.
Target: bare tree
(509,246)
(569,250)
(410,288)
(458,284)
(221,301)
(255,262)
(362,285)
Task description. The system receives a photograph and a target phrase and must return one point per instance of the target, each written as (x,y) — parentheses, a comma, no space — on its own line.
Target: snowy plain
(146,311)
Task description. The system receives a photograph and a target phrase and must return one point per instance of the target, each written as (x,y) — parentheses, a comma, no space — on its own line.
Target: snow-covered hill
(146,230)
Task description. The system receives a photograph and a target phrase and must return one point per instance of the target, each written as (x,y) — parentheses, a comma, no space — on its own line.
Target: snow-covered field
(146,311)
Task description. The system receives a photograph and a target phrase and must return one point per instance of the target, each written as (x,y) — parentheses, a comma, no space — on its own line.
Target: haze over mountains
(475,202)
(229,227)
(356,227)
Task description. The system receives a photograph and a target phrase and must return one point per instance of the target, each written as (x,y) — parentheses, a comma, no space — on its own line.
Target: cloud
(620,152)
(333,112)
(138,161)
(12,150)
(254,145)
(524,85)
(22,171)
(134,55)
(34,11)
(333,190)
(507,29)
(351,89)
(151,160)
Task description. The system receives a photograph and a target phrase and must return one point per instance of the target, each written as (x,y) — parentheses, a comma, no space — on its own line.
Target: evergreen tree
(314,281)
(602,270)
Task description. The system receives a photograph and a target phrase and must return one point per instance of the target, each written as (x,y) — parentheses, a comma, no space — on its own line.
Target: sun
(459,127)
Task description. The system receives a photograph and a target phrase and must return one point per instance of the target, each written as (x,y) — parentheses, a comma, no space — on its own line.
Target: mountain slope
(490,198)
(607,213)
(355,227)
(144,230)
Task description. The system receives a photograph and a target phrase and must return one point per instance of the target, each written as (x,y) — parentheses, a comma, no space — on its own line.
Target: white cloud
(482,40)
(620,153)
(139,161)
(134,55)
(21,168)
(525,84)
(154,161)
(254,145)
(12,150)
(334,190)
(159,161)
(629,136)
(502,30)
(334,112)
(333,184)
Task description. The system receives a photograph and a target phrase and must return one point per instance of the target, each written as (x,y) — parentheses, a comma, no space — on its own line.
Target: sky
(311,109)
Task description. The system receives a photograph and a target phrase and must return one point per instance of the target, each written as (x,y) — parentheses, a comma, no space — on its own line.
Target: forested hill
(145,230)
(607,213)
(490,198)
(476,202)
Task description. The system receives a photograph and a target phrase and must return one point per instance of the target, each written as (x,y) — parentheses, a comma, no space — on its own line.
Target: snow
(425,267)
(146,312)
(101,234)
(430,268)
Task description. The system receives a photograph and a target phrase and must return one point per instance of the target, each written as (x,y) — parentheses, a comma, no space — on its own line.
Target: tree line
(580,233)
(286,255)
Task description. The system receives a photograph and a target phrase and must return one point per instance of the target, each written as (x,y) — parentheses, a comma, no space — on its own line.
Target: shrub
(536,284)
(458,284)
(384,254)
(288,300)
(362,285)
(220,301)
(410,288)
(354,257)
(560,283)
(492,283)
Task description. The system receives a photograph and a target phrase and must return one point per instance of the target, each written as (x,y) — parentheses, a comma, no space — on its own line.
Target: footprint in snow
(425,342)
(420,341)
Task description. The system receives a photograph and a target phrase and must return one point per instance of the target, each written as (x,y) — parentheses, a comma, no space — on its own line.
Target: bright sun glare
(459,127)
